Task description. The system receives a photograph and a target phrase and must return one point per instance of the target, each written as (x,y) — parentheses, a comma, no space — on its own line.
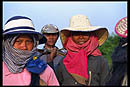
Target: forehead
(24,36)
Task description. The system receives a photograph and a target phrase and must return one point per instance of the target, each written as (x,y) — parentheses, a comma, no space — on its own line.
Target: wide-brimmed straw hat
(21,25)
(81,23)
(121,27)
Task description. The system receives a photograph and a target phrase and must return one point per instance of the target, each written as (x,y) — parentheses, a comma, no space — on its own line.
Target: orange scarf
(76,58)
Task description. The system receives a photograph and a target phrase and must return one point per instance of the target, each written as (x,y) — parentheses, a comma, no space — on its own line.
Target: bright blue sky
(100,13)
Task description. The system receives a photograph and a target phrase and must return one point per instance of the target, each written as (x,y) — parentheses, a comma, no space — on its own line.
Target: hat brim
(40,36)
(42,40)
(84,29)
(101,32)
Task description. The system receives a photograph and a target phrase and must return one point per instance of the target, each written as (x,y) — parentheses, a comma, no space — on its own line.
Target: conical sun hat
(21,25)
(121,27)
(81,23)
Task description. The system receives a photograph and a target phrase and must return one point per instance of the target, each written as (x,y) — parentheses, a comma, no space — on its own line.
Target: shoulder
(62,52)
(40,50)
(48,70)
(47,73)
(100,59)
(61,64)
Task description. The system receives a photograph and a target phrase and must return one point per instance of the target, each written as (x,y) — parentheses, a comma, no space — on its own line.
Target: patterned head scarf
(16,59)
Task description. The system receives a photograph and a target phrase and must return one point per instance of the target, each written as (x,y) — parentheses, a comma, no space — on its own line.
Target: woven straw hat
(21,25)
(121,27)
(81,23)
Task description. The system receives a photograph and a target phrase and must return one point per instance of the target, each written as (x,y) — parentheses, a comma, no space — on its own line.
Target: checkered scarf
(16,59)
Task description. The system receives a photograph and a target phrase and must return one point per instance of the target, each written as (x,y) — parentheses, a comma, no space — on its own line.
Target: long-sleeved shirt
(24,78)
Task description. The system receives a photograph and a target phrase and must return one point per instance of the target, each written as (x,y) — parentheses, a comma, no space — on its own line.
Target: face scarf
(16,59)
(76,58)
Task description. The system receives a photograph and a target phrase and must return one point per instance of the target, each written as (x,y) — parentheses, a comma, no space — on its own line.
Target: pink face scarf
(76,58)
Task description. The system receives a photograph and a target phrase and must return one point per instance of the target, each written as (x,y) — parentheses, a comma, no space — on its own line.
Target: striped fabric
(21,24)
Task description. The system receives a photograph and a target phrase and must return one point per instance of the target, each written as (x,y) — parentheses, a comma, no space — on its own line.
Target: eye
(29,41)
(18,41)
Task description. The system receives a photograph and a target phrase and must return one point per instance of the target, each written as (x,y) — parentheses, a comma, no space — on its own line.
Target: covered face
(17,50)
(19,43)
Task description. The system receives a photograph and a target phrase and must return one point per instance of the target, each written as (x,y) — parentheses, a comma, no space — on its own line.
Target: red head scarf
(76,58)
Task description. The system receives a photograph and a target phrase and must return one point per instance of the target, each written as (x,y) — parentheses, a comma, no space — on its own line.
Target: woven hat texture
(82,23)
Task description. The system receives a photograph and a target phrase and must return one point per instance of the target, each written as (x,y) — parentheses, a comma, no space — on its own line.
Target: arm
(51,56)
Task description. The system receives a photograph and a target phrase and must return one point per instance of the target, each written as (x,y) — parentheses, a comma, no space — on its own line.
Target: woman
(21,63)
(83,64)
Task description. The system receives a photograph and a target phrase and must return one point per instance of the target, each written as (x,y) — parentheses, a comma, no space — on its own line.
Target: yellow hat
(81,23)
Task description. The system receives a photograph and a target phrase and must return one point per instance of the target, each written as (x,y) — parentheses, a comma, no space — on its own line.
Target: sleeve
(49,77)
(59,73)
(104,69)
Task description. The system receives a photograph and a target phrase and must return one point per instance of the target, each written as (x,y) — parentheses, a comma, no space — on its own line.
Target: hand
(52,54)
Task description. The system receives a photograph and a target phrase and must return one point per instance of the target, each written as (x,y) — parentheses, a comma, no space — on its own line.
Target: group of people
(81,64)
